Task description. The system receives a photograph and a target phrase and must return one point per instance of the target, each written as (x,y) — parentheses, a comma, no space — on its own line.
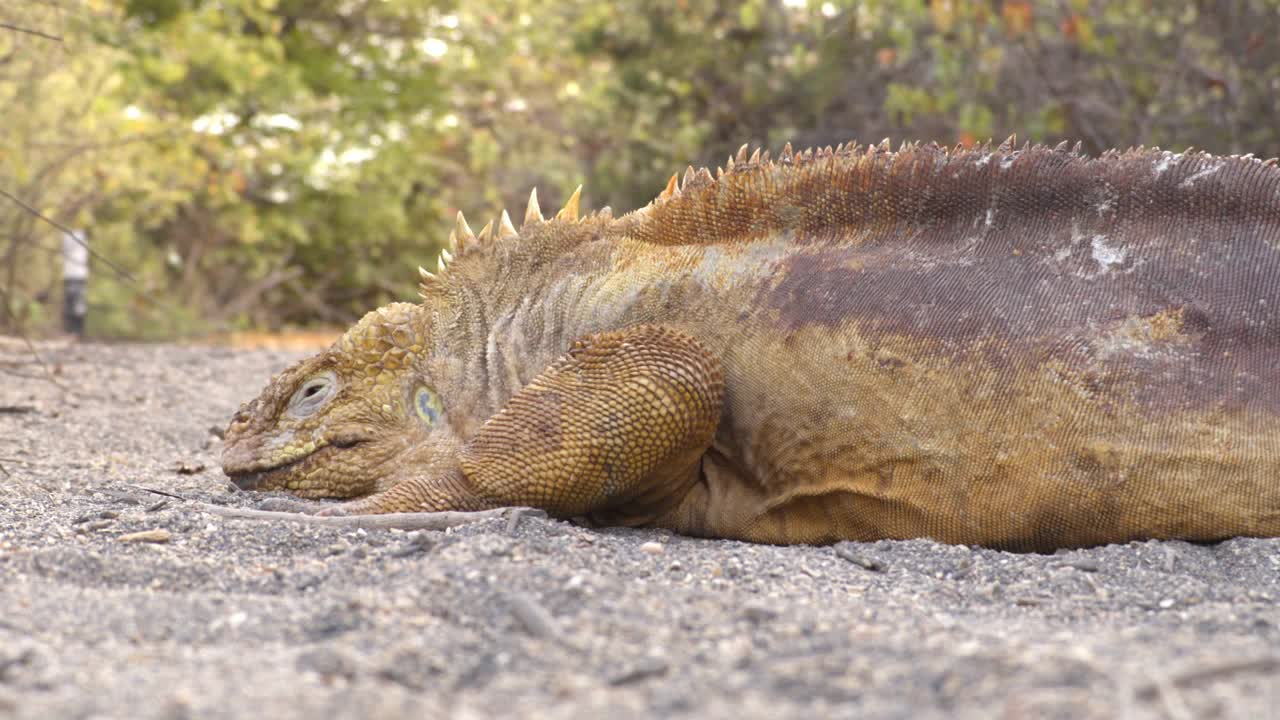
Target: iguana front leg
(614,428)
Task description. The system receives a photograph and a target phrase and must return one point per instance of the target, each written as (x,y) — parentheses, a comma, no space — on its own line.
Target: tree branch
(28,31)
(124,274)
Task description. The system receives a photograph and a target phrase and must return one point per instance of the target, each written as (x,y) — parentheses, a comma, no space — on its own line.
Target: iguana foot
(416,494)
(616,425)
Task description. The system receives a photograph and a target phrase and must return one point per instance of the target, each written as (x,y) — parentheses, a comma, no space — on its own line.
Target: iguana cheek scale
(1021,348)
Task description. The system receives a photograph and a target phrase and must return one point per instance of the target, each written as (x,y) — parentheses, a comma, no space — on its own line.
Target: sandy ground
(240,618)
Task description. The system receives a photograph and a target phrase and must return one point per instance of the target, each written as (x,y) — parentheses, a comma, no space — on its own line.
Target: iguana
(1025,348)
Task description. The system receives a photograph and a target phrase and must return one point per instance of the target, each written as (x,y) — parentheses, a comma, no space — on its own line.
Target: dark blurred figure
(75,279)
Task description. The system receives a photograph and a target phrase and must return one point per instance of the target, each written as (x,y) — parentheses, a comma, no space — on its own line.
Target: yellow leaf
(1017,17)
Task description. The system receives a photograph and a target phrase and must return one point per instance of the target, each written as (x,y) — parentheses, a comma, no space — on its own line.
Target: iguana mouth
(252,475)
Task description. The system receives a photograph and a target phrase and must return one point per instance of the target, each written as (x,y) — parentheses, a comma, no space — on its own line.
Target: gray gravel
(205,616)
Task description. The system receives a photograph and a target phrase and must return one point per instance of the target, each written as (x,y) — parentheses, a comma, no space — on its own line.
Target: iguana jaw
(244,465)
(253,476)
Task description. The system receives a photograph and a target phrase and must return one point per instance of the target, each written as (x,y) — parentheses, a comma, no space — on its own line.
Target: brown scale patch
(1162,327)
(963,451)
(1199,312)
(1032,252)
(1025,255)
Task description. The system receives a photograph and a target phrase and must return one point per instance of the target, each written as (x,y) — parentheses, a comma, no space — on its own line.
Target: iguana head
(401,389)
(345,422)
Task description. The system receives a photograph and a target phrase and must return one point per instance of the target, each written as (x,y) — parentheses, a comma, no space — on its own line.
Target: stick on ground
(397,521)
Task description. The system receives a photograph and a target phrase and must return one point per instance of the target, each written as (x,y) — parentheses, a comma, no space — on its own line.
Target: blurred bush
(265,163)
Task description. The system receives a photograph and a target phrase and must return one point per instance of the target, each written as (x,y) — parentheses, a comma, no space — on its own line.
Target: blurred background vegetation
(276,163)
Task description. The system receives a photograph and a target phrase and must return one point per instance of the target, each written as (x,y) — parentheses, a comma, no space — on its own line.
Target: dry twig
(397,521)
(1213,672)
(121,272)
(536,619)
(29,31)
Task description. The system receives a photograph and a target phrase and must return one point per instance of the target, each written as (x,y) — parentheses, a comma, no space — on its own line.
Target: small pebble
(1083,564)
(329,663)
(759,613)
(101,514)
(96,525)
(652,548)
(159,535)
(642,670)
(845,551)
(416,542)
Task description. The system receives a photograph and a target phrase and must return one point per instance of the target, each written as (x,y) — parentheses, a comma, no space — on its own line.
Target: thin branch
(28,31)
(397,521)
(111,144)
(155,491)
(121,272)
(1213,673)
(535,618)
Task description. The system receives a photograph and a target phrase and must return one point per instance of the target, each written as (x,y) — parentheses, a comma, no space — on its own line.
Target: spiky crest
(673,186)
(570,210)
(533,213)
(462,240)
(506,230)
(462,234)
(824,190)
(797,191)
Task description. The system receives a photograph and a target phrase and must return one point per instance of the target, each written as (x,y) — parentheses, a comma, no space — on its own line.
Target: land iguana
(1019,348)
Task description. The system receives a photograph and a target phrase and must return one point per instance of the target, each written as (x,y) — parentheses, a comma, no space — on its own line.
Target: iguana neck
(512,329)
(500,334)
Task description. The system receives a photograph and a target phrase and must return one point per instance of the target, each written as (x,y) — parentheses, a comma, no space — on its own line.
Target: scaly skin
(1023,349)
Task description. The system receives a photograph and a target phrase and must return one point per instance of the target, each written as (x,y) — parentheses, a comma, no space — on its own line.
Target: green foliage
(271,162)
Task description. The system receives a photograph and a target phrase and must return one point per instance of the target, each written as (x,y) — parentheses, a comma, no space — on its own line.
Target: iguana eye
(428,405)
(313,394)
